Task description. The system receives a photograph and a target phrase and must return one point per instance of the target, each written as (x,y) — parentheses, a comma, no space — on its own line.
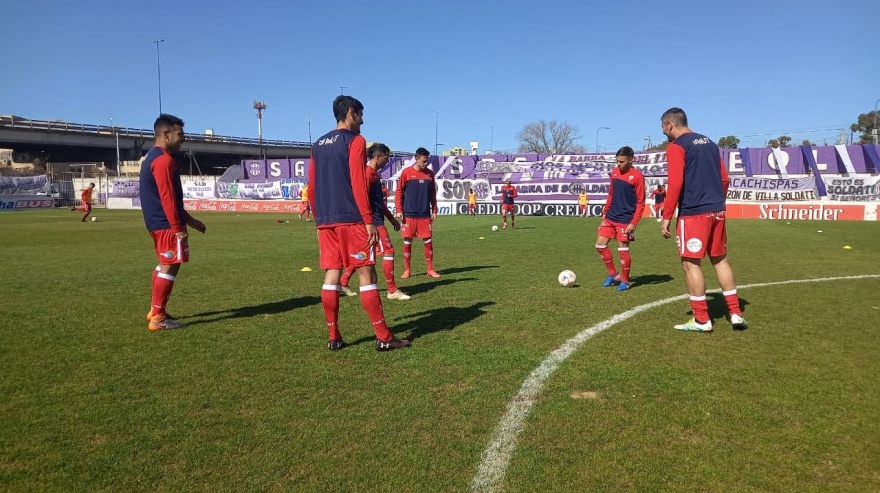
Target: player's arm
(312,180)
(725,178)
(357,156)
(675,169)
(433,198)
(164,176)
(640,200)
(609,198)
(398,194)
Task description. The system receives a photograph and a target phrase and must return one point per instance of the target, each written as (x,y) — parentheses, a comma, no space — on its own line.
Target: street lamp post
(436,130)
(159,71)
(597,137)
(342,90)
(118,160)
(260,106)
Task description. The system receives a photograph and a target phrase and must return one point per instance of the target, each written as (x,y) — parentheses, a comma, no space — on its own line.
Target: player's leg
(385,250)
(512,218)
(88,210)
(429,257)
(372,303)
(171,253)
(343,282)
(625,264)
(333,263)
(692,238)
(724,272)
(504,217)
(606,232)
(407,256)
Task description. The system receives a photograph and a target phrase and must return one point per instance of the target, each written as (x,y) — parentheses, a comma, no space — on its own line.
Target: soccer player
(698,185)
(582,204)
(85,201)
(659,195)
(416,200)
(621,214)
(164,215)
(346,234)
(305,208)
(472,202)
(508,193)
(379,154)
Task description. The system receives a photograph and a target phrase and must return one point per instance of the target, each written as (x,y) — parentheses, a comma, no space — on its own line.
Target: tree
(782,141)
(806,142)
(729,142)
(543,137)
(866,124)
(659,147)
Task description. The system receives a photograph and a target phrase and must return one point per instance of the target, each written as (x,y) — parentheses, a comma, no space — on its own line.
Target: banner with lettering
(755,189)
(24,185)
(853,188)
(199,189)
(260,191)
(125,189)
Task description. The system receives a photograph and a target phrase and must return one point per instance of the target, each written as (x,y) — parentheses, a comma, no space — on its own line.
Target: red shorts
(416,228)
(701,234)
(86,207)
(582,208)
(169,248)
(305,207)
(472,207)
(507,208)
(613,230)
(345,245)
(384,247)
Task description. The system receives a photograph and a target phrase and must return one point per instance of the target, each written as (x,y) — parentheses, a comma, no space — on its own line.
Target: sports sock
(388,270)
(607,258)
(330,302)
(407,253)
(700,309)
(373,306)
(429,253)
(732,301)
(625,263)
(162,287)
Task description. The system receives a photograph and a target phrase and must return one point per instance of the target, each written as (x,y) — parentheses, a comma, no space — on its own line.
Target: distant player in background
(416,200)
(305,207)
(623,209)
(698,183)
(346,234)
(379,154)
(659,195)
(85,201)
(508,193)
(166,219)
(582,204)
(472,202)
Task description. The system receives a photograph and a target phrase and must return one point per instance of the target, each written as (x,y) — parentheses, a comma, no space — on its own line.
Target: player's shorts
(701,234)
(170,249)
(416,228)
(472,207)
(86,207)
(507,208)
(384,247)
(345,245)
(305,207)
(582,208)
(616,231)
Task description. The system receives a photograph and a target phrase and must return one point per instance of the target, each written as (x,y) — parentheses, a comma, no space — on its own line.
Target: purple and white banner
(756,189)
(199,189)
(252,191)
(24,185)
(853,188)
(125,189)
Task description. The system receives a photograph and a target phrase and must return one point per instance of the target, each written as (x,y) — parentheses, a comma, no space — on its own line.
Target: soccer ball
(567,278)
(94,219)
(494,228)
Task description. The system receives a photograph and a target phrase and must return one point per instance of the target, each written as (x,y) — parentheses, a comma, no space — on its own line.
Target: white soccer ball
(567,278)
(94,219)
(494,228)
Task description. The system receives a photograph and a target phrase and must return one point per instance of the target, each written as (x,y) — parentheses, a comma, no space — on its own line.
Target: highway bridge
(65,142)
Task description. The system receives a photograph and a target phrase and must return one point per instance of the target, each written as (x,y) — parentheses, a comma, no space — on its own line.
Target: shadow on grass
(270,308)
(650,279)
(456,270)
(426,286)
(718,307)
(422,323)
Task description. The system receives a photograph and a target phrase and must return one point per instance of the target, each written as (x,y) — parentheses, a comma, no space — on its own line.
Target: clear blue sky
(749,68)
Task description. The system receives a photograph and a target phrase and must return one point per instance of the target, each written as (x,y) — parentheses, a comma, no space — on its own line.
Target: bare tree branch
(551,137)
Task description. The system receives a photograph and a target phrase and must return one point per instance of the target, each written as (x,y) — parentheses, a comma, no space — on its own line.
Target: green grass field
(247,398)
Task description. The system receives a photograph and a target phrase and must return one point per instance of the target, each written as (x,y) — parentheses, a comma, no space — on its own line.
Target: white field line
(496,456)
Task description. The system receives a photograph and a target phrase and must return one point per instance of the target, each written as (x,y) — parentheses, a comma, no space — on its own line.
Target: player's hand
(629,229)
(395,224)
(181,235)
(398,216)
(372,234)
(664,229)
(433,216)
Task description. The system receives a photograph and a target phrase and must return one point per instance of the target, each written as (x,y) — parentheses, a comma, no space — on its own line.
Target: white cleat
(738,322)
(347,291)
(398,295)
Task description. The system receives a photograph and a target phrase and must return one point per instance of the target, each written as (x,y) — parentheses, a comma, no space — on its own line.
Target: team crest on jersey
(631,177)
(694,245)
(359,256)
(169,254)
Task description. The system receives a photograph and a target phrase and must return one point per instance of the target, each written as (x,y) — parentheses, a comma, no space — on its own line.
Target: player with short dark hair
(305,208)
(582,204)
(379,154)
(698,185)
(85,198)
(472,202)
(346,235)
(620,216)
(508,193)
(165,217)
(416,200)
(659,195)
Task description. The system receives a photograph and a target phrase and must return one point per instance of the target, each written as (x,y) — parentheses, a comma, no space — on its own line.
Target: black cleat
(394,343)
(335,345)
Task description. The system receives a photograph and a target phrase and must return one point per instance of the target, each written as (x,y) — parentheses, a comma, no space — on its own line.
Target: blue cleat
(611,280)
(623,286)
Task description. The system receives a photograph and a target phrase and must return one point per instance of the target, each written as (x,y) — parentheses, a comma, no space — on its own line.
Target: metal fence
(66,187)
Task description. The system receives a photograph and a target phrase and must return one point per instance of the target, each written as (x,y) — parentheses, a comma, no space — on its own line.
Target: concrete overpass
(58,141)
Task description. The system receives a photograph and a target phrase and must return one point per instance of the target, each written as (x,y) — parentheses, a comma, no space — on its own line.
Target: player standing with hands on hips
(623,209)
(166,219)
(698,185)
(416,201)
(347,236)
